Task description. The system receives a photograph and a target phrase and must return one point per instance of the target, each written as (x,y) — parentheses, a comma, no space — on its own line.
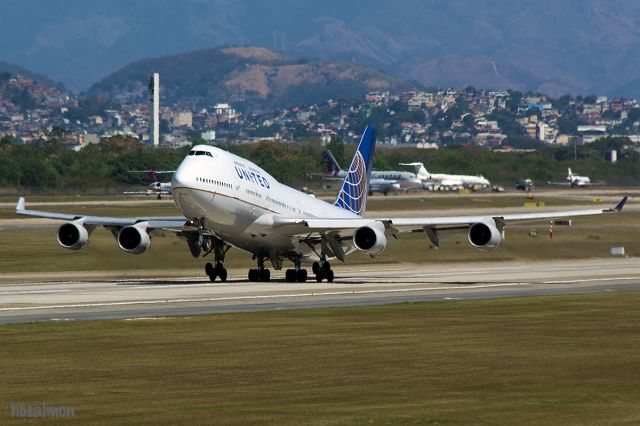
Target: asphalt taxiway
(74,296)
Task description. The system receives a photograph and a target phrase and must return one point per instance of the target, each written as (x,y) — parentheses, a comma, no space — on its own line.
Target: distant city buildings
(30,111)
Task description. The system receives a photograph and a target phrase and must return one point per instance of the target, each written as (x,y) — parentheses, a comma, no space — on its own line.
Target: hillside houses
(31,111)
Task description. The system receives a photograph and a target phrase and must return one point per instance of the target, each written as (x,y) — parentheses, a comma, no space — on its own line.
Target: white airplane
(228,201)
(384,186)
(155,186)
(381,180)
(575,180)
(448,181)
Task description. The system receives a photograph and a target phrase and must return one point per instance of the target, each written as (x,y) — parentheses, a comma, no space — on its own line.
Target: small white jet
(577,181)
(448,181)
(228,201)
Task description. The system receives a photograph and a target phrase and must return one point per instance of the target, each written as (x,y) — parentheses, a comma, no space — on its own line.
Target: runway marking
(57,290)
(586,280)
(254,297)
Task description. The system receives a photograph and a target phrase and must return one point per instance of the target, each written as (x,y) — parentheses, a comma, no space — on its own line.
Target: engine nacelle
(73,235)
(485,235)
(134,239)
(370,239)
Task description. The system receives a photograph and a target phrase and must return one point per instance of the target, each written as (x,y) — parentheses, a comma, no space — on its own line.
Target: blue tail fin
(355,187)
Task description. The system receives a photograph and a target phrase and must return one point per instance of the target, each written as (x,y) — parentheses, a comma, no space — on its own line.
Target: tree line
(48,166)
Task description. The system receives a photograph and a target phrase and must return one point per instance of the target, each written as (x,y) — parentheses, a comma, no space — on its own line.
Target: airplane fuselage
(227,194)
(404,180)
(580,181)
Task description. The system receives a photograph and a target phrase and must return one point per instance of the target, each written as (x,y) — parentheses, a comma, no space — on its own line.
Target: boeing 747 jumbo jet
(228,201)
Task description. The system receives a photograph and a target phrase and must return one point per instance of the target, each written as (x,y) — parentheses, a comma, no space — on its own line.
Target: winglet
(20,205)
(621,204)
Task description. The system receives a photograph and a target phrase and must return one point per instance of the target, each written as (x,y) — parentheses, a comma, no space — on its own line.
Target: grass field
(548,360)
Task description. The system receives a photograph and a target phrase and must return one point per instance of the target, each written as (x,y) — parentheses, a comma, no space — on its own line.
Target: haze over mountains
(551,46)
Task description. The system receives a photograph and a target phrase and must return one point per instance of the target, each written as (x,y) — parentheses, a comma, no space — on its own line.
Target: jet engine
(73,235)
(134,239)
(485,235)
(370,239)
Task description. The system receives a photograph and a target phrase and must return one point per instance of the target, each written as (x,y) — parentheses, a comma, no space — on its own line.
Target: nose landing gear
(219,249)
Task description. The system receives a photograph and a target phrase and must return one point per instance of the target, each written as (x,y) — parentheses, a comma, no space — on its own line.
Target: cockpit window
(207,153)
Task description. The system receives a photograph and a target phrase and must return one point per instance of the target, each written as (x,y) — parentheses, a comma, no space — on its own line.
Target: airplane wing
(408,224)
(164,223)
(459,222)
(490,226)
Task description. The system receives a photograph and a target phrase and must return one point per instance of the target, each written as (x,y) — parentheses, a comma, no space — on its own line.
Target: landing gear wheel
(221,272)
(301,275)
(315,268)
(208,268)
(211,271)
(254,275)
(216,272)
(290,275)
(329,276)
(324,271)
(261,274)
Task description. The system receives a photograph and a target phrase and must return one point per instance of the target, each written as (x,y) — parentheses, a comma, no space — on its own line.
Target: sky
(555,46)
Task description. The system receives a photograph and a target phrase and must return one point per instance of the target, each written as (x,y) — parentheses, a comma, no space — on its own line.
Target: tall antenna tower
(154,98)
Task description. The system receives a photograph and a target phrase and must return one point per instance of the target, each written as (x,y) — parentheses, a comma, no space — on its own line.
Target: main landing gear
(296,274)
(293,275)
(322,270)
(260,273)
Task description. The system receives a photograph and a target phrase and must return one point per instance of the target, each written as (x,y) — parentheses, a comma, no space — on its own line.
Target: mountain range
(550,46)
(249,77)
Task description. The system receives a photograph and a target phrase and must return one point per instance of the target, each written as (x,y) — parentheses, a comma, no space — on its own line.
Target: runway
(25,297)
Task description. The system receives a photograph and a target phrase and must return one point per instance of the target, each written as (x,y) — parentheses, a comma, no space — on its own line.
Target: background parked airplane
(381,180)
(156,187)
(448,181)
(228,201)
(577,181)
